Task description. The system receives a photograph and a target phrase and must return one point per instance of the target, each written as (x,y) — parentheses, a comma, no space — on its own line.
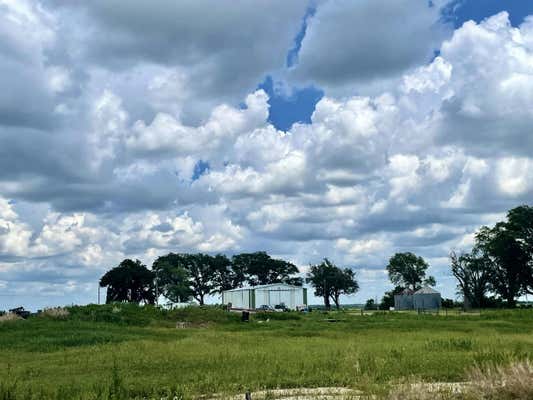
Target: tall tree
(520,223)
(172,279)
(260,269)
(409,270)
(473,274)
(344,282)
(330,282)
(196,275)
(508,261)
(129,282)
(226,277)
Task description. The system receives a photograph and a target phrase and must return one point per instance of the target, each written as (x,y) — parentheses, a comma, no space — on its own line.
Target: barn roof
(426,290)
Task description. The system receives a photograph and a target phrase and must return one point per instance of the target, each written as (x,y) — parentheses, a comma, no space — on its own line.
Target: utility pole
(98,293)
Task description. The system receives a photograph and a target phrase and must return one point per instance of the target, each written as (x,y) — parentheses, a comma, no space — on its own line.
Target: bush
(136,315)
(55,313)
(9,317)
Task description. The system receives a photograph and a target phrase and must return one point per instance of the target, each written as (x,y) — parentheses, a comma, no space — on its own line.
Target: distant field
(101,352)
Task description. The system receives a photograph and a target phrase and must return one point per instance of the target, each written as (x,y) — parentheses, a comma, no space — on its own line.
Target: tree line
(500,264)
(496,272)
(182,277)
(499,268)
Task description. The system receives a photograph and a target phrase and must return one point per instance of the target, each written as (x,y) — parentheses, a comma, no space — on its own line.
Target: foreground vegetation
(126,351)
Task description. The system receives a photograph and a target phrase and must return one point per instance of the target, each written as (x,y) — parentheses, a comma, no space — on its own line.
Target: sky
(308,129)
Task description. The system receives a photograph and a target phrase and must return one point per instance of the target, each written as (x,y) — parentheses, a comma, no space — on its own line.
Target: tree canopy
(473,274)
(129,282)
(508,247)
(182,276)
(409,271)
(330,282)
(260,269)
(172,279)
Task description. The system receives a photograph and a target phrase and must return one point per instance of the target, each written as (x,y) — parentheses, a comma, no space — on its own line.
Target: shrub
(9,317)
(55,313)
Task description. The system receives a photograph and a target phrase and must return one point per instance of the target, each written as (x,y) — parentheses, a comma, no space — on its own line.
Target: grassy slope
(141,351)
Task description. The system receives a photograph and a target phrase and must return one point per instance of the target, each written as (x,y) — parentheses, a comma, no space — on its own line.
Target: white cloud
(368,42)
(515,176)
(417,167)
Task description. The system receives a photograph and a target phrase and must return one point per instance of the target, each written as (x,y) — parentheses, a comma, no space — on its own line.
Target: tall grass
(124,351)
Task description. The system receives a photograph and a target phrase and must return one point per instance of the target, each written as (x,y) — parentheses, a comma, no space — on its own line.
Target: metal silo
(426,299)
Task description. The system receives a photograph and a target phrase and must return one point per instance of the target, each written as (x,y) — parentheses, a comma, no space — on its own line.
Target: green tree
(473,274)
(370,305)
(172,279)
(129,282)
(409,270)
(388,298)
(260,269)
(508,260)
(330,282)
(344,282)
(520,224)
(191,275)
(226,277)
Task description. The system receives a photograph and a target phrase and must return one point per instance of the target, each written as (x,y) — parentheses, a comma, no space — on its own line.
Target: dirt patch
(324,393)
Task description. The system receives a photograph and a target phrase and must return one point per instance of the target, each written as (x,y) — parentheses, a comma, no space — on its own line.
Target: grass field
(101,352)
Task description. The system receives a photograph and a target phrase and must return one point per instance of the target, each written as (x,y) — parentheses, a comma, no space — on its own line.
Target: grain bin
(426,299)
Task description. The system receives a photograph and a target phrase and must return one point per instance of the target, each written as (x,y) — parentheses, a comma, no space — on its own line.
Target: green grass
(115,352)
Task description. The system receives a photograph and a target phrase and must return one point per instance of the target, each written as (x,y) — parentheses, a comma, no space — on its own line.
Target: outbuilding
(276,294)
(404,300)
(426,299)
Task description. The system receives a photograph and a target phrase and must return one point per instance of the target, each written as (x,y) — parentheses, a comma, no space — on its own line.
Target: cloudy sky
(348,129)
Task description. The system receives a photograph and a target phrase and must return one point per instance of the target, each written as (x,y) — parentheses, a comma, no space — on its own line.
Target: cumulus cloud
(359,45)
(117,166)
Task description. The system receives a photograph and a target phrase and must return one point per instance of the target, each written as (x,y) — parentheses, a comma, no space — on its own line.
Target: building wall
(271,295)
(403,302)
(237,298)
(430,301)
(275,295)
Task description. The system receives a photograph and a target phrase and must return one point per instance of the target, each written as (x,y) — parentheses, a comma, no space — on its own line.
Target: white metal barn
(253,297)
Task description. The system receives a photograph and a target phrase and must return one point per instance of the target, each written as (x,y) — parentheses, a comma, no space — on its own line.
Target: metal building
(426,299)
(404,300)
(253,297)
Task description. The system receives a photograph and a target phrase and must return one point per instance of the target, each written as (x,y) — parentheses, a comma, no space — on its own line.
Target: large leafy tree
(501,260)
(192,275)
(409,271)
(344,282)
(260,269)
(473,274)
(129,282)
(226,277)
(172,279)
(511,269)
(330,282)
(520,224)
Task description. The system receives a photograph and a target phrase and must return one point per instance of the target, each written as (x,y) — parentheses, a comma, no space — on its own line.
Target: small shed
(426,299)
(404,300)
(252,297)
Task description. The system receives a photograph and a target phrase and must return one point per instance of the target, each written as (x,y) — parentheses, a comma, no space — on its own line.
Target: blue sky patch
(285,110)
(461,11)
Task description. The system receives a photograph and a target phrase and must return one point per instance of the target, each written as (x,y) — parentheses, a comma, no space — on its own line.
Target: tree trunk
(336,300)
(326,302)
